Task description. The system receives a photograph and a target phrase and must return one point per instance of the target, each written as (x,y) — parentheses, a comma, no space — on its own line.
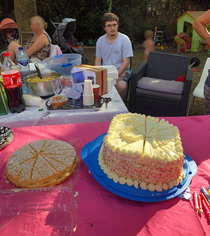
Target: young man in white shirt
(115,48)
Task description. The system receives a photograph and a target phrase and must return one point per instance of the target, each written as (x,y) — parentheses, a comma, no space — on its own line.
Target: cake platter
(6,136)
(89,155)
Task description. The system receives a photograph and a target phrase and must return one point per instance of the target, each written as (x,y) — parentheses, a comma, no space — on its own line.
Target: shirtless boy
(148,44)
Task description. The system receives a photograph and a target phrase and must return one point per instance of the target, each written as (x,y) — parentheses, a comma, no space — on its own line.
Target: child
(179,39)
(148,44)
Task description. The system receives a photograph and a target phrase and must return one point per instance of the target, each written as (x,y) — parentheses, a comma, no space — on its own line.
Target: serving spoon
(38,71)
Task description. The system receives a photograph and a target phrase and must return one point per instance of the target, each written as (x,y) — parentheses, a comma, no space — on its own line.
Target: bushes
(135,15)
(87,13)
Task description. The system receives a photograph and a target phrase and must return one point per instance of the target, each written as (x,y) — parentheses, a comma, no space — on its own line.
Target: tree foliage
(138,15)
(6,9)
(87,13)
(24,9)
(135,15)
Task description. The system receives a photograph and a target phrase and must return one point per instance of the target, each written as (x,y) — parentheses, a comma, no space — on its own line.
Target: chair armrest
(186,92)
(137,74)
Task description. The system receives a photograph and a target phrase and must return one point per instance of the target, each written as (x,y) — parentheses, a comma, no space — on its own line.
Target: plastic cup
(88,98)
(88,88)
(110,83)
(96,88)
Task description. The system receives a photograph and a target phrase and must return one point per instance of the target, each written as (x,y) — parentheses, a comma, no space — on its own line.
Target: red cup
(96,88)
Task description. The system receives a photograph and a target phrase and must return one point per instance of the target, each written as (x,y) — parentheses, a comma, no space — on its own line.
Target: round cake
(41,163)
(142,151)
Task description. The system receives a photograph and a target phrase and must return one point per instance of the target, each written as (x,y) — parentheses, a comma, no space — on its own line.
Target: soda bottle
(12,84)
(23,65)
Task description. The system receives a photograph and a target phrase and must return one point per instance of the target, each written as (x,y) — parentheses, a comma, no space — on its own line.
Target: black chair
(129,83)
(163,68)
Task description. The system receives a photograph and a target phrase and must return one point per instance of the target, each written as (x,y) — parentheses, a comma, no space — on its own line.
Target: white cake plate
(89,155)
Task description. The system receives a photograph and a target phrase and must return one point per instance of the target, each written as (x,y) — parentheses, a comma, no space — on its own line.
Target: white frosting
(171,184)
(122,180)
(151,122)
(182,175)
(130,182)
(158,188)
(136,185)
(106,170)
(143,185)
(176,182)
(135,141)
(116,179)
(180,179)
(151,187)
(110,175)
(165,186)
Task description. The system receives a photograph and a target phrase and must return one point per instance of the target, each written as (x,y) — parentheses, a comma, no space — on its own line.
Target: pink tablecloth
(96,211)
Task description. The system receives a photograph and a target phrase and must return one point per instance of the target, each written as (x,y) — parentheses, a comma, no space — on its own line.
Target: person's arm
(98,61)
(124,66)
(37,45)
(127,54)
(200,24)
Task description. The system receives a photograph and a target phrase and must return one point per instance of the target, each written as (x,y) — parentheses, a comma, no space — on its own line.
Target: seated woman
(38,46)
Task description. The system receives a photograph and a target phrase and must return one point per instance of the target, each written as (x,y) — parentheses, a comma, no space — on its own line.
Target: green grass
(199,108)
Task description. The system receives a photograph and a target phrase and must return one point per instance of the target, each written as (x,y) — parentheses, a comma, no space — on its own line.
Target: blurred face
(34,26)
(111,28)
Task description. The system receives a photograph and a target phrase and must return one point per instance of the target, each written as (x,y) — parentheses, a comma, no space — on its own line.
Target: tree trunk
(24,10)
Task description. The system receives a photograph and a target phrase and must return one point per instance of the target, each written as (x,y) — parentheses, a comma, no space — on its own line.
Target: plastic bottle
(66,73)
(12,84)
(23,65)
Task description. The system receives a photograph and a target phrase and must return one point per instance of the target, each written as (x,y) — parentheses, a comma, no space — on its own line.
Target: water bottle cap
(6,54)
(20,48)
(66,65)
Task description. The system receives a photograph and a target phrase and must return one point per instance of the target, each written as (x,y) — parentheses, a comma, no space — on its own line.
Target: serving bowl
(45,88)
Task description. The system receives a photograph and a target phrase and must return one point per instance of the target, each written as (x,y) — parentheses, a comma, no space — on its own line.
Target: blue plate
(89,155)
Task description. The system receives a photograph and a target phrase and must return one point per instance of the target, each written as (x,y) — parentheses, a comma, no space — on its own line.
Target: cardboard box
(101,76)
(3,101)
(111,73)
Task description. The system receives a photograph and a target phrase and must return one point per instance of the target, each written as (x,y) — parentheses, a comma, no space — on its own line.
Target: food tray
(76,106)
(89,155)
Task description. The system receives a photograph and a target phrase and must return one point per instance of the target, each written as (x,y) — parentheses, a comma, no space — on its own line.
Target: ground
(199,108)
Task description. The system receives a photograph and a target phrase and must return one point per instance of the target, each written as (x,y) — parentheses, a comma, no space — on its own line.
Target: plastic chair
(199,90)
(129,83)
